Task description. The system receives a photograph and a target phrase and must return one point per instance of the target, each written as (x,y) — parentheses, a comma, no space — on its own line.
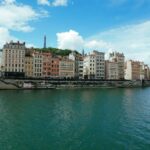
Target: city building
(80,68)
(55,67)
(118,61)
(18,61)
(132,70)
(142,72)
(37,64)
(94,66)
(78,63)
(13,60)
(29,66)
(66,68)
(147,72)
(46,69)
(111,69)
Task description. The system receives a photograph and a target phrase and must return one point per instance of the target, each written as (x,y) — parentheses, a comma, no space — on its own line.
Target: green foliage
(56,51)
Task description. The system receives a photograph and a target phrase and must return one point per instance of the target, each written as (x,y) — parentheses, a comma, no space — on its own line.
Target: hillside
(56,51)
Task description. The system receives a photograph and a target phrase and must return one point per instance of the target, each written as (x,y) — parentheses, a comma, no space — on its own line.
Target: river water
(75,119)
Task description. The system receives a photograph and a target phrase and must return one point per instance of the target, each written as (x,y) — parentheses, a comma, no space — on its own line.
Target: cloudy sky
(104,25)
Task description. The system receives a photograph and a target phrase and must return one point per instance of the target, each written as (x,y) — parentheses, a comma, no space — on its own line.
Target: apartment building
(80,68)
(111,69)
(94,66)
(142,72)
(78,63)
(55,66)
(37,64)
(116,60)
(46,69)
(13,59)
(29,66)
(66,68)
(132,70)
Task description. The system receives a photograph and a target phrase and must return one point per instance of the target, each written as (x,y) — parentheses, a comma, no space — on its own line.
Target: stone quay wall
(56,84)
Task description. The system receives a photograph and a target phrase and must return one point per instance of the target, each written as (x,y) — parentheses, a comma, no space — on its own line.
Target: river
(75,119)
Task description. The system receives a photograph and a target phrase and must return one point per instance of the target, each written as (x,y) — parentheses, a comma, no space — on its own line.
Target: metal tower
(45,41)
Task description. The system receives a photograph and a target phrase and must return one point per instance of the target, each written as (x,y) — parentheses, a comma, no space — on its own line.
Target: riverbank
(57,84)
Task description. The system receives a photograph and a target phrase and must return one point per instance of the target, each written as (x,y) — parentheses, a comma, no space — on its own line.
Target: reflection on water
(75,119)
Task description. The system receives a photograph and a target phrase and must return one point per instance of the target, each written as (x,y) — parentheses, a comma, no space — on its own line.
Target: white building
(142,73)
(94,66)
(132,70)
(37,64)
(14,59)
(80,70)
(136,70)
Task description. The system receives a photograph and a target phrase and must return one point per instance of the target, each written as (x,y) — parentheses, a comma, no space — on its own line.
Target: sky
(103,25)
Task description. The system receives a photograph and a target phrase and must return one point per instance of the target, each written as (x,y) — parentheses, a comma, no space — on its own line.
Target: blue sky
(105,25)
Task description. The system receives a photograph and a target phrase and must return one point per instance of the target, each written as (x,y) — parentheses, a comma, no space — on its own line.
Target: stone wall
(48,84)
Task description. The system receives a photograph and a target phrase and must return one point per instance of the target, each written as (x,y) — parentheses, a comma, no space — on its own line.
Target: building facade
(55,67)
(111,69)
(29,66)
(80,68)
(46,69)
(78,63)
(132,70)
(13,59)
(142,73)
(37,64)
(94,66)
(117,60)
(66,68)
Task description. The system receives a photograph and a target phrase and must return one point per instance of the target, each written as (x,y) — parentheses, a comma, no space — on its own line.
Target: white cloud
(55,3)
(97,44)
(132,40)
(5,36)
(43,2)
(73,40)
(8,1)
(69,40)
(60,3)
(17,16)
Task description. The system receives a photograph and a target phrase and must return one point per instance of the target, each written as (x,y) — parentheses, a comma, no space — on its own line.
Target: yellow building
(33,63)
(29,66)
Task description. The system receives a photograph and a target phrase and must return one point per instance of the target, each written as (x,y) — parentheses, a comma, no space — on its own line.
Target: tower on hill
(45,41)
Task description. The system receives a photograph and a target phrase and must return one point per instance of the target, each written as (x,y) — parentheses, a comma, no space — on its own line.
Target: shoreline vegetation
(28,84)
